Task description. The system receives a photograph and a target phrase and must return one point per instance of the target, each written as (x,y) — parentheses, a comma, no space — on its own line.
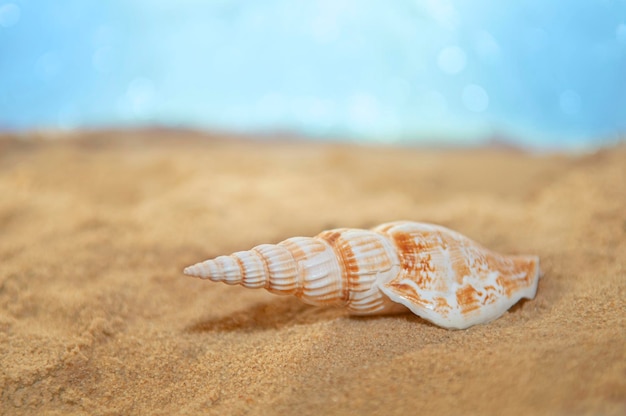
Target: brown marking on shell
(266,267)
(468,299)
(331,236)
(343,252)
(252,269)
(520,266)
(349,261)
(479,260)
(371,258)
(280,266)
(439,304)
(414,257)
(298,255)
(409,293)
(416,254)
(491,294)
(460,266)
(242,268)
(316,266)
(384,228)
(365,256)
(442,305)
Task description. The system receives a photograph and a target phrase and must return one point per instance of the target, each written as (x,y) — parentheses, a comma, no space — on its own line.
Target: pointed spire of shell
(338,267)
(266,266)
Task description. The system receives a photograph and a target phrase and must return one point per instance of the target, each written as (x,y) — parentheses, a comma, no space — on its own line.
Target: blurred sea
(534,73)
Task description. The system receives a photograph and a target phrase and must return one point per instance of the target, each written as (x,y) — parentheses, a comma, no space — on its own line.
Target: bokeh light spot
(141,94)
(620,33)
(48,65)
(570,102)
(9,15)
(442,12)
(452,60)
(475,98)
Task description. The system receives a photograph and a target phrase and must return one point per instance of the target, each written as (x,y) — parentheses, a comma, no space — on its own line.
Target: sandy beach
(97,318)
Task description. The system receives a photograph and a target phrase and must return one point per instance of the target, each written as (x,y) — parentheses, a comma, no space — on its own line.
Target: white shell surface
(437,273)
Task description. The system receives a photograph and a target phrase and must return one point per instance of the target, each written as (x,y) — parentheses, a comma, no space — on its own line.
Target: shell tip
(193,271)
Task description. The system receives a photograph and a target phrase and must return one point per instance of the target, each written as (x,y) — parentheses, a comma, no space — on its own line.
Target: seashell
(438,274)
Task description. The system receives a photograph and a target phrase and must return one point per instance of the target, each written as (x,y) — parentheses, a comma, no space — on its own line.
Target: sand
(97,318)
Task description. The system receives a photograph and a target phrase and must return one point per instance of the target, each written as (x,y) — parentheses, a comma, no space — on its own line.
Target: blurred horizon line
(496,138)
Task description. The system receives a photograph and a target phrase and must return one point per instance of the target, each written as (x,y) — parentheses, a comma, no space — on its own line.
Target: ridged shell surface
(436,273)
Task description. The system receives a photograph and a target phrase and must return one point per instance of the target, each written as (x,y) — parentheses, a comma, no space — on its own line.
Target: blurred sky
(545,72)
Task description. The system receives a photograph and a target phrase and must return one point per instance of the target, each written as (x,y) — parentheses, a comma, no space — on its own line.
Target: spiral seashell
(437,273)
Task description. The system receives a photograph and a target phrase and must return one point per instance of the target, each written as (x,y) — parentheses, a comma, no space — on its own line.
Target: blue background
(542,73)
